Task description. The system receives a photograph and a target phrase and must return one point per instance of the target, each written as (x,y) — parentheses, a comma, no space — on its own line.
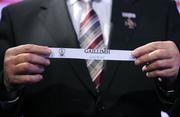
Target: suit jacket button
(97,90)
(102,108)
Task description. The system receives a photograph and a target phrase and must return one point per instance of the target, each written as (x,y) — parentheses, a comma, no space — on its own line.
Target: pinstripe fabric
(91,37)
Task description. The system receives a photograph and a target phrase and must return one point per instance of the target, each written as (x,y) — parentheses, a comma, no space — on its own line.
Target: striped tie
(91,38)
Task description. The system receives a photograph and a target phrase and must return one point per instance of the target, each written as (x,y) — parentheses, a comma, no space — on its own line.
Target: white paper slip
(96,54)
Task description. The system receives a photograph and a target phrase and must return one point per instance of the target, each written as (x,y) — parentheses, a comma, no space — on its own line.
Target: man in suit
(34,85)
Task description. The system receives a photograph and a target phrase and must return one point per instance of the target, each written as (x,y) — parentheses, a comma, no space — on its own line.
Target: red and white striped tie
(91,38)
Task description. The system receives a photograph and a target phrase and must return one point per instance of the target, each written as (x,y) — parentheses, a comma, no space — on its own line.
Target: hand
(24,64)
(159,59)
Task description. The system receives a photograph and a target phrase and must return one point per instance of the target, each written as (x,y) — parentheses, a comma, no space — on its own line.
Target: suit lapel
(120,36)
(56,18)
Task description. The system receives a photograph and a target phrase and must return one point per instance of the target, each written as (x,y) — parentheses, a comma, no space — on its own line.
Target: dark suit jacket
(66,89)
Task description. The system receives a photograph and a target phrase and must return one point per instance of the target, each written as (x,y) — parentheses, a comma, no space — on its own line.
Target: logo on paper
(61,51)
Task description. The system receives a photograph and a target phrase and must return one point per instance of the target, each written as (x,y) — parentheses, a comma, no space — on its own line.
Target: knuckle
(11,79)
(158,73)
(157,44)
(28,47)
(26,66)
(159,52)
(163,73)
(171,63)
(177,55)
(28,57)
(170,42)
(157,64)
(7,61)
(9,51)
(27,79)
(148,57)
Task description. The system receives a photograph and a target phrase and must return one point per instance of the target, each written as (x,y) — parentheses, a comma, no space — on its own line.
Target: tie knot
(87,2)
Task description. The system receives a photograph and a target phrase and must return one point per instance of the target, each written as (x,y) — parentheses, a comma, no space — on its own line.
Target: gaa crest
(129,20)
(61,51)
(130,23)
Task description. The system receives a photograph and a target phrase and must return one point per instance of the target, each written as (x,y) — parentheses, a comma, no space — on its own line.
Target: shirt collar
(71,2)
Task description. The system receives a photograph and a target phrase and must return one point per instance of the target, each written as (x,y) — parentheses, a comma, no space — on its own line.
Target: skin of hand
(25,64)
(160,59)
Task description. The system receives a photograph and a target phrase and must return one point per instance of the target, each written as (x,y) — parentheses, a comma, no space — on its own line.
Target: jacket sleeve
(170,97)
(8,107)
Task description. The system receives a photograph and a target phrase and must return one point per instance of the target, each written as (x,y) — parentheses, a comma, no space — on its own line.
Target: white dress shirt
(101,7)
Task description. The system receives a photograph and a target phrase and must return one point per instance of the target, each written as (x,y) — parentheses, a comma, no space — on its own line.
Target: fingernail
(147,74)
(137,62)
(40,77)
(133,54)
(48,49)
(144,68)
(48,62)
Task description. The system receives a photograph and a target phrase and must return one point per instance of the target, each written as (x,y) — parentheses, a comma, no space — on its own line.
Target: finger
(150,47)
(158,65)
(28,68)
(161,73)
(31,58)
(152,56)
(24,79)
(29,48)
